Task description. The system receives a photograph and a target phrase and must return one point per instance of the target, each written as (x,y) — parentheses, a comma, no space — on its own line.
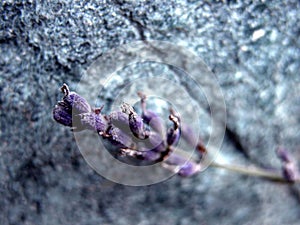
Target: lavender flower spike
(154,145)
(145,145)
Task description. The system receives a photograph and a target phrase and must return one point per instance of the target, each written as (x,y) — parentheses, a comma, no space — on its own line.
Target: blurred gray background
(253,47)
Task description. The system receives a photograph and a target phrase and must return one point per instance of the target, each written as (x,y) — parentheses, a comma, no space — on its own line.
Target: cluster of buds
(142,137)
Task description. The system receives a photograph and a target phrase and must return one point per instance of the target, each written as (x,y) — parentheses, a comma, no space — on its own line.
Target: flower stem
(253,171)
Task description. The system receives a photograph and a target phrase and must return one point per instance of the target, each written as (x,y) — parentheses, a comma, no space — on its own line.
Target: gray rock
(253,48)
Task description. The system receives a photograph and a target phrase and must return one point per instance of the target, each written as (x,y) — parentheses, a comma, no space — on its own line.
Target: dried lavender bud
(154,122)
(151,156)
(93,121)
(136,123)
(118,138)
(152,144)
(151,149)
(157,143)
(62,115)
(75,101)
(290,171)
(186,168)
(151,118)
(173,134)
(289,168)
(118,119)
(137,126)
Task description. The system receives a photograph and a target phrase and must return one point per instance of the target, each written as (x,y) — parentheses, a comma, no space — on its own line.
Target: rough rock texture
(254,50)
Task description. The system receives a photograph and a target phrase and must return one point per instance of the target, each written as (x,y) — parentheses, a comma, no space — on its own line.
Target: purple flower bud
(66,111)
(136,123)
(118,119)
(290,171)
(93,121)
(62,115)
(289,168)
(188,169)
(149,115)
(151,156)
(157,142)
(118,138)
(151,118)
(152,144)
(173,134)
(154,121)
(75,101)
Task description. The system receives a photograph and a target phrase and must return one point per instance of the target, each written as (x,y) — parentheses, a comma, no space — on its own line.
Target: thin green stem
(252,171)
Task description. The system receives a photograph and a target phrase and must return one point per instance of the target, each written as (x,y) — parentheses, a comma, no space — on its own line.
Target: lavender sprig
(144,137)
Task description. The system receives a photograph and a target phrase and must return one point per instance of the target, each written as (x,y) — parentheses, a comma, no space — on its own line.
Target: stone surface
(253,48)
